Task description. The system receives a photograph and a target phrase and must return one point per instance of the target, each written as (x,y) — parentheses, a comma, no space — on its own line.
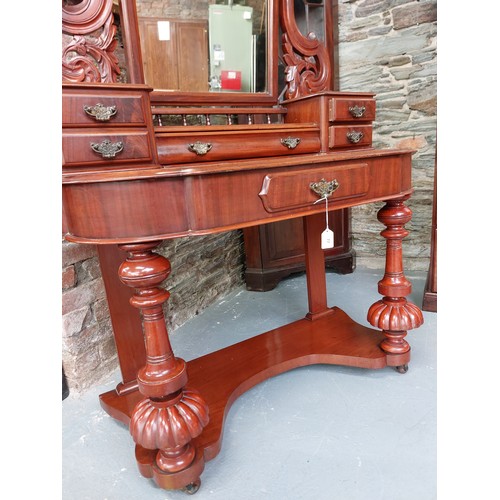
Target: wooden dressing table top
(146,204)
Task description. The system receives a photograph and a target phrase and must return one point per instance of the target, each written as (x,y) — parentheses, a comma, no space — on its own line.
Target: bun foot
(192,488)
(402,368)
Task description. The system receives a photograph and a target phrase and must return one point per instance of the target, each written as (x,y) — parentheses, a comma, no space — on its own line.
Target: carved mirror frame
(311,66)
(130,29)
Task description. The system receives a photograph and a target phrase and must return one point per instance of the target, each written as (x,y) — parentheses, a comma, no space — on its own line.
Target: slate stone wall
(204,268)
(389,47)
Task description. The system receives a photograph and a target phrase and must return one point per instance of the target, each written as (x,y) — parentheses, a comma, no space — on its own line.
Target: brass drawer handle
(106,148)
(200,148)
(355,137)
(290,142)
(100,112)
(357,111)
(324,188)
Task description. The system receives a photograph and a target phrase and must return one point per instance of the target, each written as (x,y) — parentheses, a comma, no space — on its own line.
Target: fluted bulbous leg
(393,314)
(170,416)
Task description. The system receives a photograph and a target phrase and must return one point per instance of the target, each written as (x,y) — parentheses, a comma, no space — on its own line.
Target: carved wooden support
(170,416)
(308,67)
(393,314)
(89,55)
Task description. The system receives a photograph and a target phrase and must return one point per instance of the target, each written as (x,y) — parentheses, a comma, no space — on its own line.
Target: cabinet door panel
(192,60)
(274,251)
(175,54)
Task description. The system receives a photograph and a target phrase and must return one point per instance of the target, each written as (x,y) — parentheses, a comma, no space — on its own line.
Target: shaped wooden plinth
(222,376)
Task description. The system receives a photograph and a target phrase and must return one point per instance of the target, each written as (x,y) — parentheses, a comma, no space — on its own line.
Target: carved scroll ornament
(89,56)
(307,59)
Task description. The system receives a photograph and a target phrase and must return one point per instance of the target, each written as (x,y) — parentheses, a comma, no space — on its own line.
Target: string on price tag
(327,236)
(325,189)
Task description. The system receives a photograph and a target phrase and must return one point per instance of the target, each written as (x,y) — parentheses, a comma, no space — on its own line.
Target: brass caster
(192,488)
(402,368)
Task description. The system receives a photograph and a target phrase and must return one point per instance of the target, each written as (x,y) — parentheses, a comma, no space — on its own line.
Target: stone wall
(203,269)
(389,47)
(385,46)
(177,9)
(88,349)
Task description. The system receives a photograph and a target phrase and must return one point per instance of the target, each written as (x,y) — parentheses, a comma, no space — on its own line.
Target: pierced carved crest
(307,59)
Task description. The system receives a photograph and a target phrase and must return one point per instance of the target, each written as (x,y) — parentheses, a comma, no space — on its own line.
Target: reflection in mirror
(307,36)
(309,15)
(204,45)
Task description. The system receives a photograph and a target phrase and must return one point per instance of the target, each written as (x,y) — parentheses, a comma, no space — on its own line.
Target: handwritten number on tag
(327,239)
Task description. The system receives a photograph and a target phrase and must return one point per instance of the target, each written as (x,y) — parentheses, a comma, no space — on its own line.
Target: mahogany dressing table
(130,181)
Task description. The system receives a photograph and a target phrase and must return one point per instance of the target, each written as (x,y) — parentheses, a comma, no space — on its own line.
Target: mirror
(209,46)
(309,16)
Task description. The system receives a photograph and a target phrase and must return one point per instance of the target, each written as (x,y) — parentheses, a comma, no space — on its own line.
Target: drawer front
(292,190)
(343,136)
(82,149)
(351,109)
(187,148)
(103,110)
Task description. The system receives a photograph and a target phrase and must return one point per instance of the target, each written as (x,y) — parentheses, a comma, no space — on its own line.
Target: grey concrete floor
(320,432)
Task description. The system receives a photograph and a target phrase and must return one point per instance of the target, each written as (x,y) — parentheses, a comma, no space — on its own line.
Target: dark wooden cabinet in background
(274,251)
(429,302)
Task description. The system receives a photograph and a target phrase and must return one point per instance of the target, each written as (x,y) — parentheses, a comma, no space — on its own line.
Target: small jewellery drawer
(223,145)
(82,149)
(99,109)
(345,136)
(351,109)
(292,190)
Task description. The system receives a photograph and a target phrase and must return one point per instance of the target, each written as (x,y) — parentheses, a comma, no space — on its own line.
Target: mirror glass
(309,16)
(204,45)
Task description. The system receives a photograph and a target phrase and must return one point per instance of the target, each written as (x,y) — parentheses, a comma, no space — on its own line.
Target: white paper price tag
(327,239)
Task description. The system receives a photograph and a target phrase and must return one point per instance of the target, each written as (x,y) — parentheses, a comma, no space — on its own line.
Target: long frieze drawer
(81,109)
(352,109)
(292,190)
(344,136)
(81,149)
(188,147)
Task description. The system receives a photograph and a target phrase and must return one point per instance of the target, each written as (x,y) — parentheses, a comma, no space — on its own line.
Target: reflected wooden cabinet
(275,251)
(176,44)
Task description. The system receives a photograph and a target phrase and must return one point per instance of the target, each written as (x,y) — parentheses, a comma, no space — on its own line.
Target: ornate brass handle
(357,111)
(354,136)
(290,142)
(100,112)
(200,148)
(324,188)
(106,148)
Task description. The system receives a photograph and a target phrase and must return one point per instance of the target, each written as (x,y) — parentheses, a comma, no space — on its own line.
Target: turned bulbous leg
(170,416)
(393,314)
